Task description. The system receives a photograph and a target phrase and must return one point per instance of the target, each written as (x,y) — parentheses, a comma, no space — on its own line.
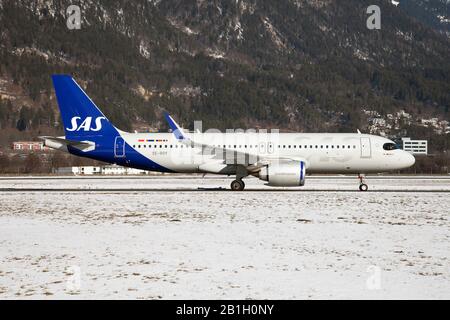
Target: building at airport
(29,146)
(416,147)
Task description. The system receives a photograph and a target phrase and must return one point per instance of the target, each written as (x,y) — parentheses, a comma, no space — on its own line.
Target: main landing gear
(237,185)
(362,185)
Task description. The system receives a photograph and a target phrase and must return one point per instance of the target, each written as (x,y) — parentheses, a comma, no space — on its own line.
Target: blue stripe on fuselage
(133,159)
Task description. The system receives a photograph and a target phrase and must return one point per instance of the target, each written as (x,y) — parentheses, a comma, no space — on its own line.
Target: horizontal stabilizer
(60,143)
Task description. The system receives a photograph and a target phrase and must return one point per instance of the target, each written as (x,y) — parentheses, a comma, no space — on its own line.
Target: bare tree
(4,163)
(32,163)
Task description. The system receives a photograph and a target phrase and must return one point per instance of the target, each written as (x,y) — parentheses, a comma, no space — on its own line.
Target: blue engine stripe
(301,172)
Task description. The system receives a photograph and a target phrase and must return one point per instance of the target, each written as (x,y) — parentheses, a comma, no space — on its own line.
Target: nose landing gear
(362,185)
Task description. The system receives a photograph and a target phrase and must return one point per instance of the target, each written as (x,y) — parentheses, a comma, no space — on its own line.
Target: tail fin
(81,118)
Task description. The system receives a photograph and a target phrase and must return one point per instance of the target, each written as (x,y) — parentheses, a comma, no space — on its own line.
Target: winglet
(176,130)
(357,130)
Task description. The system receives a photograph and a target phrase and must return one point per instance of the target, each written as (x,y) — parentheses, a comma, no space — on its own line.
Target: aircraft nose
(409,159)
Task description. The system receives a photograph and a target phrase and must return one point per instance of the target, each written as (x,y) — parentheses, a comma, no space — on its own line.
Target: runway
(213,177)
(195,183)
(153,190)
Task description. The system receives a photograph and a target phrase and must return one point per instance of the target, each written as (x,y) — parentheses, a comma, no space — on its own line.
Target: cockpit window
(389,146)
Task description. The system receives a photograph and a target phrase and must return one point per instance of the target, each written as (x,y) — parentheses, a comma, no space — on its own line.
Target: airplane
(279,159)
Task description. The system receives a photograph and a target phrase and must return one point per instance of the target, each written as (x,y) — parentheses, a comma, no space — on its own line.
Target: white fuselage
(322,152)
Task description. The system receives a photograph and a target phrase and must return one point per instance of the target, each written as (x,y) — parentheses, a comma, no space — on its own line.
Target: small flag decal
(153,140)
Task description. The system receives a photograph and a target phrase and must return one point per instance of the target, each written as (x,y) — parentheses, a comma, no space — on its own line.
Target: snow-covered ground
(256,244)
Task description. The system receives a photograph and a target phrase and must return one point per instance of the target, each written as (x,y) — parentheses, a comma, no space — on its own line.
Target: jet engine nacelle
(284,174)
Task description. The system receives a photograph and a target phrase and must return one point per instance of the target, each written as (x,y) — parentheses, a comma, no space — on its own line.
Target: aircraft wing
(185,139)
(252,161)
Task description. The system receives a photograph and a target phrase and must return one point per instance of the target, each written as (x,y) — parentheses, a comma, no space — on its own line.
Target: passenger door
(119,147)
(366,151)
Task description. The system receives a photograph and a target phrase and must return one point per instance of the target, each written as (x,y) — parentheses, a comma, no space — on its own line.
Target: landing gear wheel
(237,185)
(363,187)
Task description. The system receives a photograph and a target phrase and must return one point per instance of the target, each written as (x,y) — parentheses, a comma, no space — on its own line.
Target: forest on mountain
(433,13)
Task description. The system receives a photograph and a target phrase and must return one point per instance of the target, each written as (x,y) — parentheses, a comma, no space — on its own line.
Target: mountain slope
(434,13)
(295,65)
